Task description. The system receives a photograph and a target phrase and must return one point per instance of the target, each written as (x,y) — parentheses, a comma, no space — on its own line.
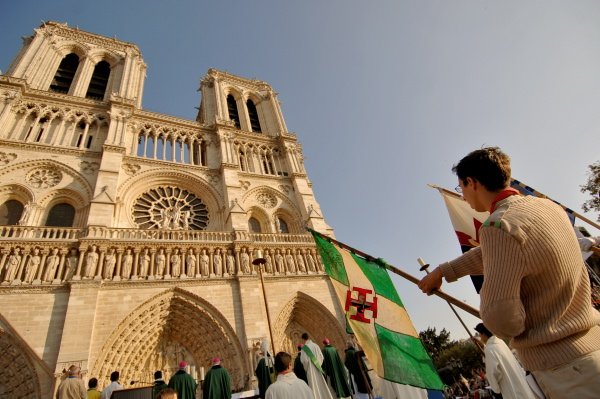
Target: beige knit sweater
(536,289)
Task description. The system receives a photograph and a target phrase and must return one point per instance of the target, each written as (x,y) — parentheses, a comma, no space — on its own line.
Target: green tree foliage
(592,187)
(451,358)
(461,358)
(435,343)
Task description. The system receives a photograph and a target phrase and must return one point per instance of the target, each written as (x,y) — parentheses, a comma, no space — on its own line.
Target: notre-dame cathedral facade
(127,237)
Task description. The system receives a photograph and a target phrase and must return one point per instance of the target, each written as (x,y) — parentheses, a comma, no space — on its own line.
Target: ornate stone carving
(245,185)
(6,158)
(170,208)
(267,200)
(131,169)
(89,167)
(43,178)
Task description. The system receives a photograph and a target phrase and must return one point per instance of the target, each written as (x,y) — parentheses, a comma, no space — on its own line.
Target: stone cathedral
(127,237)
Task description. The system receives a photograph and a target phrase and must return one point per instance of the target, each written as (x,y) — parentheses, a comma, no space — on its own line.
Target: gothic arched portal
(173,326)
(303,314)
(17,371)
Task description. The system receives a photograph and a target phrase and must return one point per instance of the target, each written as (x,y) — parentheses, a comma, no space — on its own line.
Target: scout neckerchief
(312,358)
(507,192)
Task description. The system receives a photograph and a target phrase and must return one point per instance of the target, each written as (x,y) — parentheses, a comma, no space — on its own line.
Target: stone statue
(269,263)
(13,263)
(165,218)
(300,263)
(311,262)
(32,265)
(144,263)
(279,262)
(218,263)
(245,261)
(51,264)
(71,264)
(25,215)
(187,218)
(230,263)
(291,265)
(176,264)
(161,260)
(110,260)
(176,216)
(126,264)
(91,261)
(204,264)
(190,262)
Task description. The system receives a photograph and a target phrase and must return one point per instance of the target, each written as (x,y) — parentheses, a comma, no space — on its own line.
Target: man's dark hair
(114,376)
(489,166)
(282,362)
(157,374)
(481,329)
(304,336)
(93,383)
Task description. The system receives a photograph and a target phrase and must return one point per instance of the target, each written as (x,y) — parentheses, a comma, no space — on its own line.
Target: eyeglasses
(458,189)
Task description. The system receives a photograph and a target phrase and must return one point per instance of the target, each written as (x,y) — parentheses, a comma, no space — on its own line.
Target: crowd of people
(315,373)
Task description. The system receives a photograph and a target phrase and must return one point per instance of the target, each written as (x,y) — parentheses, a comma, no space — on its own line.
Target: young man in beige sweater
(536,289)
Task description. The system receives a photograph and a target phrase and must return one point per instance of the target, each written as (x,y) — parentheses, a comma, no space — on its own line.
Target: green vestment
(217,384)
(184,384)
(335,371)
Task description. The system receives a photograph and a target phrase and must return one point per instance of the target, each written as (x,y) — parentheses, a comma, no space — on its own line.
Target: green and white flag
(378,318)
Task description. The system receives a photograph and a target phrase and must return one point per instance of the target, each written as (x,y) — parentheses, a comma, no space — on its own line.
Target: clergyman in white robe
(316,381)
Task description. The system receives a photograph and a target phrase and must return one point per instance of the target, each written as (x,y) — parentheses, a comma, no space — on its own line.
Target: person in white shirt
(114,385)
(287,386)
(503,372)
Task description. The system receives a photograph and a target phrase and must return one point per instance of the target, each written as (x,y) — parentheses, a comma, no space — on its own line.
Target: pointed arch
(172,326)
(63,78)
(304,313)
(281,205)
(22,372)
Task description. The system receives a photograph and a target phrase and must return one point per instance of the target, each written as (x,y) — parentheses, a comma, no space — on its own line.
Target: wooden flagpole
(450,299)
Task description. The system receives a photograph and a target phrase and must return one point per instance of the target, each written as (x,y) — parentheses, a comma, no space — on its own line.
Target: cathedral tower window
(61,215)
(254,225)
(99,81)
(233,111)
(253,114)
(10,213)
(65,74)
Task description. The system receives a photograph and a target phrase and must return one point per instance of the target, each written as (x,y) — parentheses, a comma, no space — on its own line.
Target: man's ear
(472,182)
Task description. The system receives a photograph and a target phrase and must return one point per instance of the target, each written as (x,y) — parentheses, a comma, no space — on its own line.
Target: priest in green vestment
(183,383)
(337,378)
(217,383)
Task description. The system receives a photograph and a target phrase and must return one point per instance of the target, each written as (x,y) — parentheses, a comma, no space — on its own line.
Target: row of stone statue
(56,265)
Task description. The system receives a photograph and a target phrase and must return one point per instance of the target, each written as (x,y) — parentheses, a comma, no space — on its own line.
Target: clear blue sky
(385,97)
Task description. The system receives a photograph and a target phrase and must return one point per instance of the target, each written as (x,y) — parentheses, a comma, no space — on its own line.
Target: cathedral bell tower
(254,141)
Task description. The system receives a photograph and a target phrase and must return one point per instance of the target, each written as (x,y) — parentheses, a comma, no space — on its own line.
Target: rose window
(43,178)
(170,208)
